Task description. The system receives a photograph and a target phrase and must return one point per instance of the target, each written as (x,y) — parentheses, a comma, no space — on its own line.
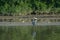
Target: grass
(25,33)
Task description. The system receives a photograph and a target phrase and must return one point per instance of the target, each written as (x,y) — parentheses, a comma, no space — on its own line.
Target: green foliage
(25,6)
